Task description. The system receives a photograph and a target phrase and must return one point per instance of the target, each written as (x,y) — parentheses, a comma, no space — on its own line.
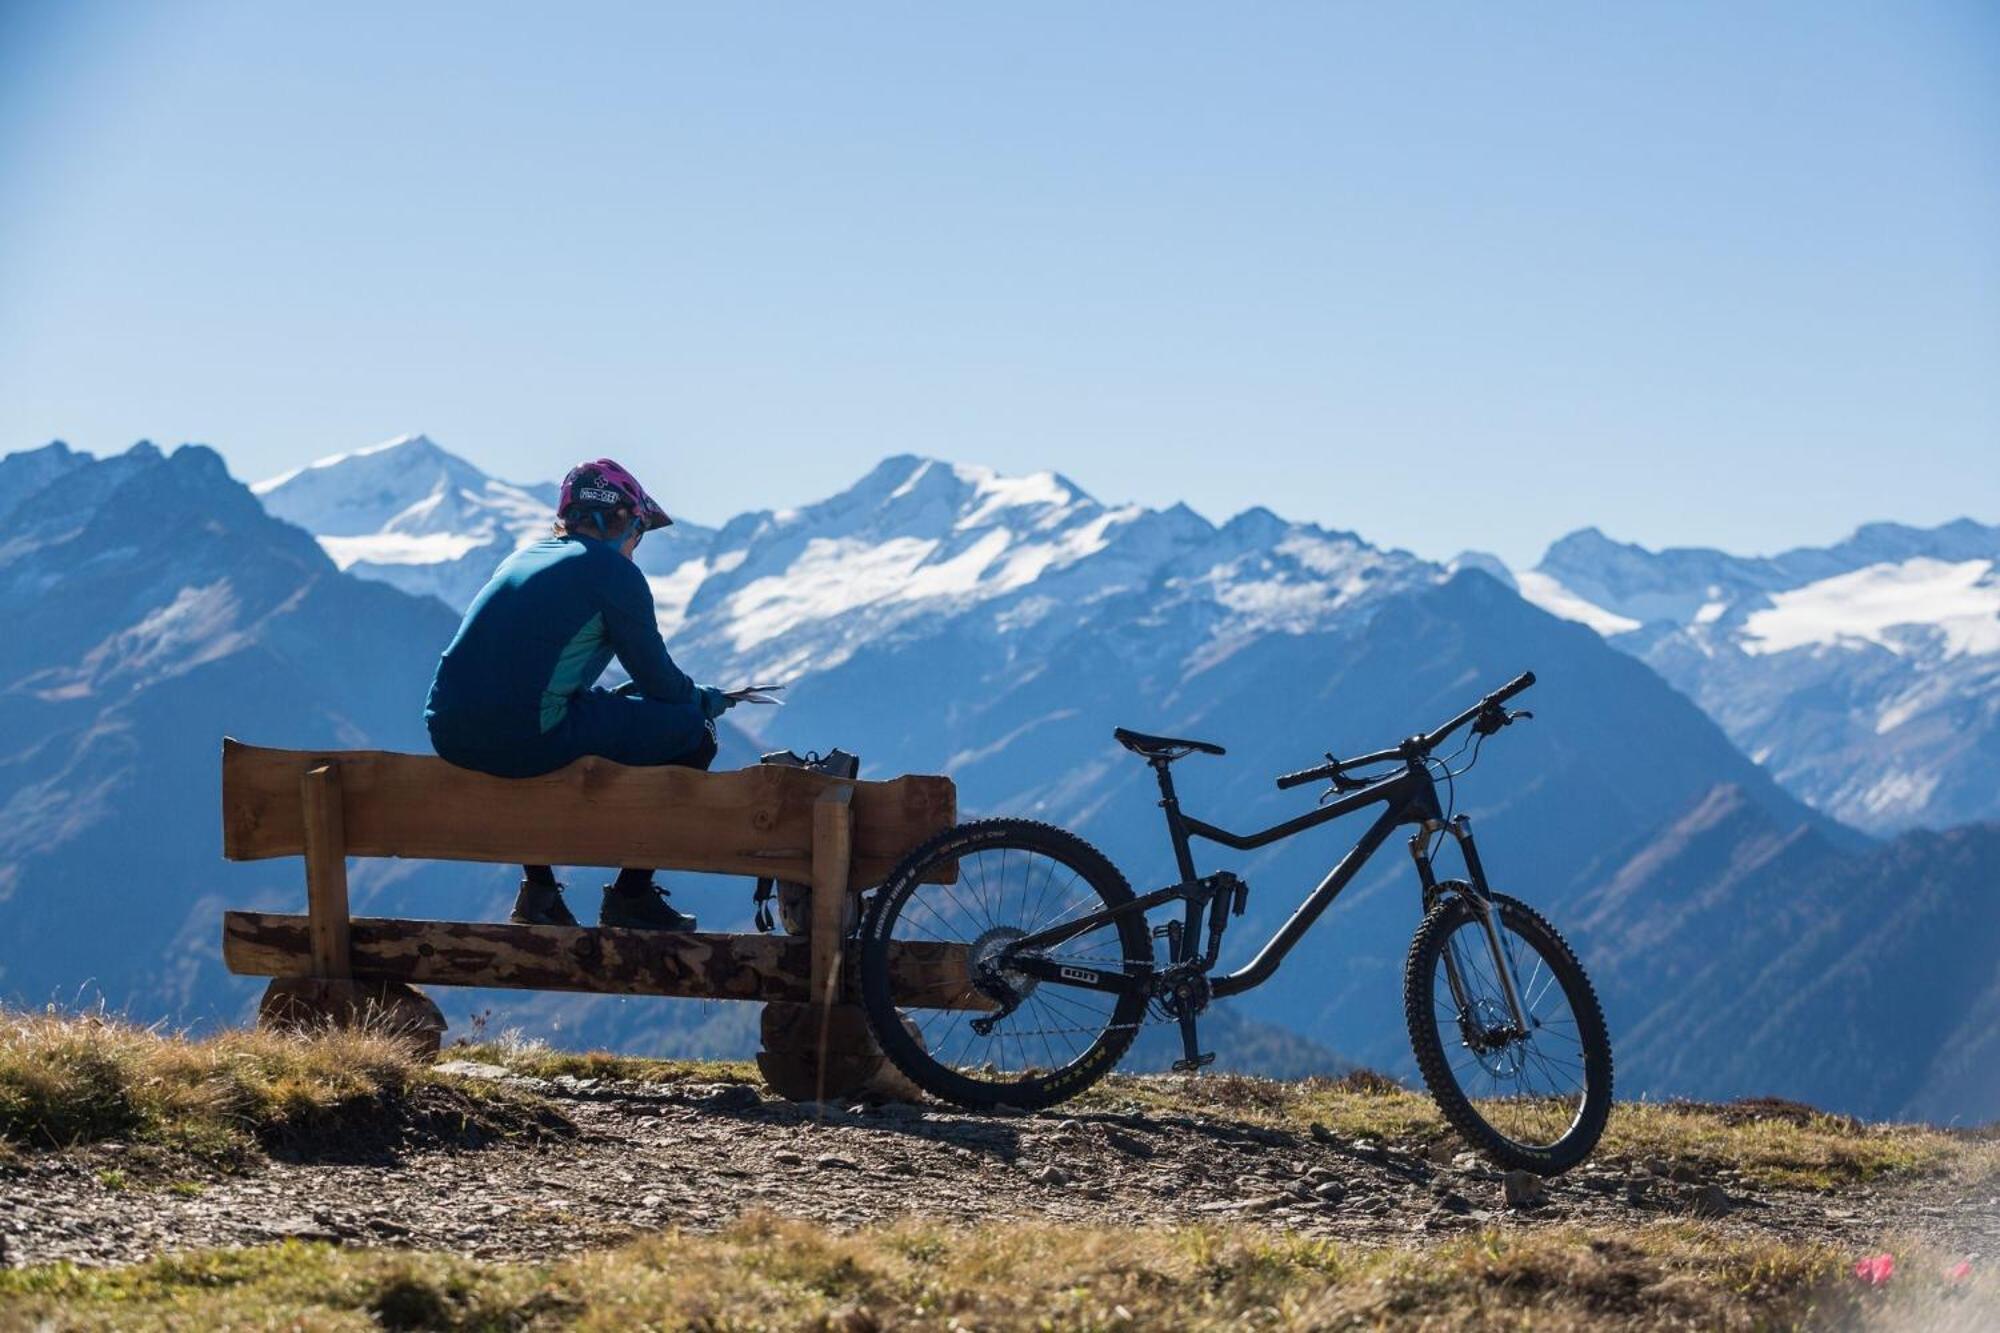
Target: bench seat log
(601,959)
(753,821)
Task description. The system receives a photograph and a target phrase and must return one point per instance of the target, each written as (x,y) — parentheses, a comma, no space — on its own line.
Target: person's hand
(714,703)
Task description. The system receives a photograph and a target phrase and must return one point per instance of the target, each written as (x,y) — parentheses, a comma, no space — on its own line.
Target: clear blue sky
(1467,275)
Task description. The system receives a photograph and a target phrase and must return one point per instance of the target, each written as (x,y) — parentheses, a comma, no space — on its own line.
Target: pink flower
(1959,1271)
(1876,1269)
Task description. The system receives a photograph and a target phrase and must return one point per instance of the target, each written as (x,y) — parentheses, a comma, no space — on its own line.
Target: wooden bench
(840,837)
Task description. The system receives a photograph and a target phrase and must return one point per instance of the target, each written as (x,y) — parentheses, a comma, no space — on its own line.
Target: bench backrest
(754,821)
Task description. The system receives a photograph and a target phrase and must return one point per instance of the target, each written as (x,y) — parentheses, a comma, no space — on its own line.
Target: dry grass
(1770,1143)
(536,1059)
(769,1274)
(66,1080)
(69,1080)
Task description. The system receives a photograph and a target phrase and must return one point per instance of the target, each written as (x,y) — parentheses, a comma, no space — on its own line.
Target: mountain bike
(1058,967)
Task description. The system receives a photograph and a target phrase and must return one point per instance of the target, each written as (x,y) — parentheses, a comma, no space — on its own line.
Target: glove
(714,703)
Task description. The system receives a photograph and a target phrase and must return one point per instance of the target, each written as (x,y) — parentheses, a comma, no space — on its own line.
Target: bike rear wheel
(1013,877)
(1534,1101)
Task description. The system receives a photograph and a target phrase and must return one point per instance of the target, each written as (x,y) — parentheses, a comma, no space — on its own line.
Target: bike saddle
(1162,747)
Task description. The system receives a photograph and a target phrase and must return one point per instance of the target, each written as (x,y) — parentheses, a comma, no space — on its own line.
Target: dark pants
(624,728)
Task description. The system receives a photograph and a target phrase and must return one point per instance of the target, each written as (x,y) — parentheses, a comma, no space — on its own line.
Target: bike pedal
(1197,1062)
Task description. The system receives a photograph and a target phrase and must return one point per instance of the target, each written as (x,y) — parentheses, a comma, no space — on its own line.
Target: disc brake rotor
(1490,1036)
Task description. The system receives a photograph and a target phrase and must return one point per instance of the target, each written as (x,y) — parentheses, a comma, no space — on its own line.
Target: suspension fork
(1420,843)
(1482,907)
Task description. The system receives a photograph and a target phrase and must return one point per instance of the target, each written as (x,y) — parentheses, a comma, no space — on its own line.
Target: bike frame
(1410,797)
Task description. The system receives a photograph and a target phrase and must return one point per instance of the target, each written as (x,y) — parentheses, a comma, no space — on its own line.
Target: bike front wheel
(1534,1100)
(973,890)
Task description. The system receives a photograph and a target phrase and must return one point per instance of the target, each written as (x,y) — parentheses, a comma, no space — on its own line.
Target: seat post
(1171,803)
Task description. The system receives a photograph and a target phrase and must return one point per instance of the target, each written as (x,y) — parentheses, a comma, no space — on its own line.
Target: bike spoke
(1035,914)
(1004,893)
(1528,1087)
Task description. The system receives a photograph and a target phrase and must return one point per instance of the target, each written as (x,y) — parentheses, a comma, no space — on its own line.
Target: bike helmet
(602,486)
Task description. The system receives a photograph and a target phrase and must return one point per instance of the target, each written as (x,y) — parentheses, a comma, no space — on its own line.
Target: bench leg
(393,1008)
(329,997)
(817,1052)
(326,870)
(814,1053)
(838,1066)
(832,857)
(823,1050)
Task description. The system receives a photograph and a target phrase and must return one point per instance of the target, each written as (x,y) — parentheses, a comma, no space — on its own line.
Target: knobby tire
(905,1049)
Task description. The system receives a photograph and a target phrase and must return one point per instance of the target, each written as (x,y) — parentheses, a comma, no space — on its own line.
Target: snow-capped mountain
(406,487)
(408,513)
(154,607)
(918,541)
(914,542)
(1864,675)
(934,618)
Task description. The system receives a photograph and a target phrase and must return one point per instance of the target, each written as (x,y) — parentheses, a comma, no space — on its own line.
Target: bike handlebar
(1493,700)
(1415,747)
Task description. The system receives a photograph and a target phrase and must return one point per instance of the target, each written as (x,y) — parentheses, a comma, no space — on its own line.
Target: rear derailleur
(991,977)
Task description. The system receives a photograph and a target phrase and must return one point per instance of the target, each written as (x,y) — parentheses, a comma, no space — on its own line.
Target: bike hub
(986,956)
(1492,1037)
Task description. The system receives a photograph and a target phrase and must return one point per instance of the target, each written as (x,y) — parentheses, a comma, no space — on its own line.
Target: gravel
(642,1158)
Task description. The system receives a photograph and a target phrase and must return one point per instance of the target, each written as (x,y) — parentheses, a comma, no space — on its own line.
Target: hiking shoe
(540,905)
(643,908)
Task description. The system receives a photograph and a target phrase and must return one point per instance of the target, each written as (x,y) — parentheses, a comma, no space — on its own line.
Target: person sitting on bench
(514,697)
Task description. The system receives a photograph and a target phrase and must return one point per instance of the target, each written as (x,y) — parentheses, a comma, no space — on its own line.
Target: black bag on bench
(795,900)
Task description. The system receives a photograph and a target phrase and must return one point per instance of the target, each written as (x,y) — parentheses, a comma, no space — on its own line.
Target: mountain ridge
(996,629)
(1865,674)
(1783,954)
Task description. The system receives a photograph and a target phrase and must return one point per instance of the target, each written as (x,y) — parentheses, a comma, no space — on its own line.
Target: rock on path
(650,1157)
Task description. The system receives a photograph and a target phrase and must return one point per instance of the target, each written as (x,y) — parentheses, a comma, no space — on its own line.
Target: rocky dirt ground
(619,1159)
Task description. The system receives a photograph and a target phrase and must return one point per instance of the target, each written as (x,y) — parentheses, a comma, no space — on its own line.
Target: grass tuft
(1769,1142)
(69,1080)
(536,1059)
(767,1273)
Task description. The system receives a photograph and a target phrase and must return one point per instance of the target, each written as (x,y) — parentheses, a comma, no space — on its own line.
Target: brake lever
(1341,785)
(1493,718)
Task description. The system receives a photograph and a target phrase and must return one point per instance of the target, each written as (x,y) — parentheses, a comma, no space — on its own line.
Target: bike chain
(1155,1018)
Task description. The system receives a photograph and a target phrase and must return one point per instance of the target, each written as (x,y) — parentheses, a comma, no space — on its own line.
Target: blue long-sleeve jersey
(539,634)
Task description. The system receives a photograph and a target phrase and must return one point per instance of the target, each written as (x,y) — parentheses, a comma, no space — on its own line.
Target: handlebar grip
(1513,687)
(1305,775)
